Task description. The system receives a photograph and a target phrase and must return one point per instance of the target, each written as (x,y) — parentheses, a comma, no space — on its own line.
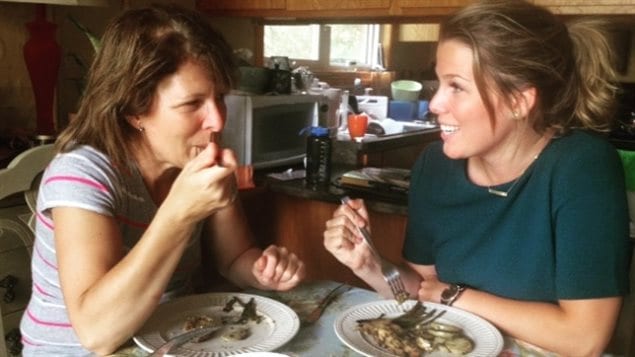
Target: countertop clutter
(398,151)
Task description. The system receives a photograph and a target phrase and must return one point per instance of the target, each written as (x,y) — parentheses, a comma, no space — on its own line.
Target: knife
(179,340)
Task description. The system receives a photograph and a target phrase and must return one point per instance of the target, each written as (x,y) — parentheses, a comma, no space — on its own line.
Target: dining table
(319,338)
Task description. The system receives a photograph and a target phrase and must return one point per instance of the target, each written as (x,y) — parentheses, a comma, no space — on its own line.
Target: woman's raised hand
(206,184)
(278,269)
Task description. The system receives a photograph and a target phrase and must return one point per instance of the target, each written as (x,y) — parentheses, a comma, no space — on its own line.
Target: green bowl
(405,90)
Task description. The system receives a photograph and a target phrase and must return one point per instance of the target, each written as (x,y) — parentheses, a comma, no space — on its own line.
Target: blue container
(403,110)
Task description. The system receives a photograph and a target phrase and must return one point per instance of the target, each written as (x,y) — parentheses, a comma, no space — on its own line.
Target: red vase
(42,55)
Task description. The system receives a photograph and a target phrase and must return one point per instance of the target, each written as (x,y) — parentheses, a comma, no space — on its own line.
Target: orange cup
(357,125)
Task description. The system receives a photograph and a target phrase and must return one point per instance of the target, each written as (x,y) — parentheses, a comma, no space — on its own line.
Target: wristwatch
(449,295)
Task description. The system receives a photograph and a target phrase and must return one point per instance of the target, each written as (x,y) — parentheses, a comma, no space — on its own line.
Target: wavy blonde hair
(517,45)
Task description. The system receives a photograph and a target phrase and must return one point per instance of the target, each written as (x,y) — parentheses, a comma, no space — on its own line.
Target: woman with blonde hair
(519,213)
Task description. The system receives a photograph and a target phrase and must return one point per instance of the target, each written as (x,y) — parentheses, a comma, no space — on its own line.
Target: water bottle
(318,157)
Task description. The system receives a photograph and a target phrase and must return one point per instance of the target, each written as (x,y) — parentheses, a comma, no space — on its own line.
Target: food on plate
(236,333)
(200,321)
(249,310)
(416,340)
(235,327)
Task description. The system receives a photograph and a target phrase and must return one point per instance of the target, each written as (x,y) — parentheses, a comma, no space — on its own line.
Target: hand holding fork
(389,271)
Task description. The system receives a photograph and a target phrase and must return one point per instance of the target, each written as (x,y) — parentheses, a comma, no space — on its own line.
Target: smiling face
(466,127)
(186,110)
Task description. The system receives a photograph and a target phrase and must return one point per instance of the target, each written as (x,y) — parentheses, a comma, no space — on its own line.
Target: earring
(141,129)
(515,115)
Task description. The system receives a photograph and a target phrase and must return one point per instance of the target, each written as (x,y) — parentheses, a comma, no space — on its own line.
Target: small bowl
(405,90)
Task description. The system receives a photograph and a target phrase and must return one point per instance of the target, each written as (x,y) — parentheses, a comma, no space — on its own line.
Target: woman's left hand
(278,269)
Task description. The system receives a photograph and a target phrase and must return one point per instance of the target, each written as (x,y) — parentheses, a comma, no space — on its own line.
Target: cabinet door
(298,224)
(598,7)
(303,5)
(240,4)
(427,8)
(583,2)
(431,3)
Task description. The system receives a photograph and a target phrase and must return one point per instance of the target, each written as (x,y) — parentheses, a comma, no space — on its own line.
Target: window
(328,46)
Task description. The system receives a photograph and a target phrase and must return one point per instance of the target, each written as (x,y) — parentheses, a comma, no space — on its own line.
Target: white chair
(22,174)
(17,225)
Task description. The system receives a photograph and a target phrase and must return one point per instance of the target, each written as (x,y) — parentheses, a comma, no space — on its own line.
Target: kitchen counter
(391,204)
(375,151)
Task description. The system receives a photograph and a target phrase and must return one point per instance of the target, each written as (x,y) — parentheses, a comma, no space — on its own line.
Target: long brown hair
(140,48)
(517,45)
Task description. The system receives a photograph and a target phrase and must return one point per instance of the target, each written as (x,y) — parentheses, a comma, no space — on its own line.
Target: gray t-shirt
(85,178)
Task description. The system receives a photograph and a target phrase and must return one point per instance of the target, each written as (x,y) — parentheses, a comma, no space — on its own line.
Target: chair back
(17,231)
(23,175)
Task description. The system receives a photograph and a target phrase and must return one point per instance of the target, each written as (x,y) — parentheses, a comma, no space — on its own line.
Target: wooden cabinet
(321,5)
(589,7)
(426,8)
(296,9)
(241,5)
(298,224)
(393,9)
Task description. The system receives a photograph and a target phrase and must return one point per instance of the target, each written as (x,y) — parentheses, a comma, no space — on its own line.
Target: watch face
(449,292)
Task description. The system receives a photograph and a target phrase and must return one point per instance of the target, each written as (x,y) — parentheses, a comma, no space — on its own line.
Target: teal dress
(561,233)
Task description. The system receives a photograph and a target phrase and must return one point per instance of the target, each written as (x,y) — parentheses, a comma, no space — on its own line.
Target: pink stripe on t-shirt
(39,254)
(26,341)
(47,323)
(41,291)
(81,180)
(46,222)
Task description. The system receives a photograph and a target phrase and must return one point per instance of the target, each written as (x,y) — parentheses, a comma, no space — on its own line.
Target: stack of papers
(386,178)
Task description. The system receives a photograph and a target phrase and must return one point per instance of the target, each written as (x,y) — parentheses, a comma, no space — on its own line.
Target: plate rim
(371,350)
(197,301)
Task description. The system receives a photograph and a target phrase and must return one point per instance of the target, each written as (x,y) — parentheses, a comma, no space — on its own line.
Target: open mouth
(448,129)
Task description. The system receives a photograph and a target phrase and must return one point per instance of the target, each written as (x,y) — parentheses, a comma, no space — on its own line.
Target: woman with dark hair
(138,187)
(519,213)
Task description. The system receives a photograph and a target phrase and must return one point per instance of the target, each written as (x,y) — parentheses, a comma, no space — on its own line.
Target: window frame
(374,37)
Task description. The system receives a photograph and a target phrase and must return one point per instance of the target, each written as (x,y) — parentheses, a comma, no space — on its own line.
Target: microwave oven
(264,130)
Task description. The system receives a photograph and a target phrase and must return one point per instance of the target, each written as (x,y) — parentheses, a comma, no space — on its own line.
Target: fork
(389,271)
(315,314)
(183,338)
(418,315)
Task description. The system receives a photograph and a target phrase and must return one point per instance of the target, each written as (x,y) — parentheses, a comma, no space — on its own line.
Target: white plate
(487,339)
(280,324)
